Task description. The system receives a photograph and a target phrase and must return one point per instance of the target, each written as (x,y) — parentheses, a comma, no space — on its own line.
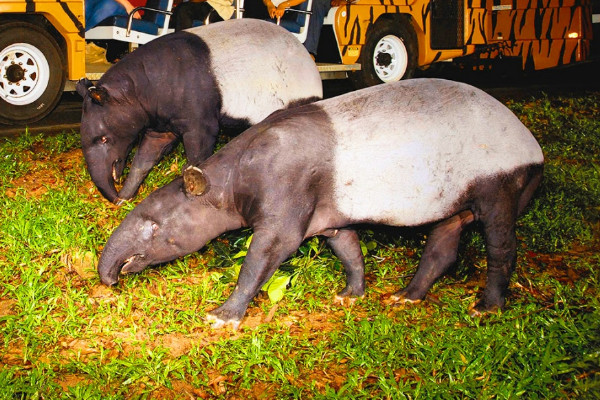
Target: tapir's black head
(110,125)
(173,221)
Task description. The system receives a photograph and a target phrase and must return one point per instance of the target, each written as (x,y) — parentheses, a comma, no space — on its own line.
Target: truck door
(447,24)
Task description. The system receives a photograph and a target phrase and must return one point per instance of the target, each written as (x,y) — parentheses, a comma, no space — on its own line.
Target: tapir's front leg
(266,253)
(153,147)
(199,140)
(346,246)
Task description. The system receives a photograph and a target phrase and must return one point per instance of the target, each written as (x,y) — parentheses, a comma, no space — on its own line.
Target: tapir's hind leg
(501,247)
(440,252)
(499,220)
(346,246)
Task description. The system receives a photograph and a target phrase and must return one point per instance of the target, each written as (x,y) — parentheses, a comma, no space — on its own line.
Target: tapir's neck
(214,221)
(224,216)
(222,169)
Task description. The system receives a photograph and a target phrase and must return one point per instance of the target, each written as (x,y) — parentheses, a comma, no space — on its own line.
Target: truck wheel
(32,76)
(389,54)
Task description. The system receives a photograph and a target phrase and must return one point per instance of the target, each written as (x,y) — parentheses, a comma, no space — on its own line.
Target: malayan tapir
(185,86)
(415,152)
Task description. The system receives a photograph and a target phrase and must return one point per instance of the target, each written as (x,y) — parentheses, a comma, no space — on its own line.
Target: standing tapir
(186,86)
(422,151)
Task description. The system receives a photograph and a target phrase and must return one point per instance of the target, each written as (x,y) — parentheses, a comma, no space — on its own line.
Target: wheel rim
(24,74)
(390,58)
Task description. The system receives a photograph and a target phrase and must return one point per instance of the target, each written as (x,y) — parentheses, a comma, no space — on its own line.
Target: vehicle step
(336,71)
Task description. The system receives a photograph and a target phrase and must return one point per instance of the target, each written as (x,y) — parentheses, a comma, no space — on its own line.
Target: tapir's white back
(405,158)
(292,72)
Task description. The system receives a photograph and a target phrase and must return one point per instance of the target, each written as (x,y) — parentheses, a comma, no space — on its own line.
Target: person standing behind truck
(97,11)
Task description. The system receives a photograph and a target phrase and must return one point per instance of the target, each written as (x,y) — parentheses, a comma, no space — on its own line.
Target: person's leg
(255,9)
(320,8)
(185,14)
(97,11)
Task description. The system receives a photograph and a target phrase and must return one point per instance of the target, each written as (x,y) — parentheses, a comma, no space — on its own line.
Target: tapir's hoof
(346,301)
(218,323)
(479,309)
(349,294)
(475,313)
(399,298)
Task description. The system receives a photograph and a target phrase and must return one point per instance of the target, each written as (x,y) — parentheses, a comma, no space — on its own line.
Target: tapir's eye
(102,140)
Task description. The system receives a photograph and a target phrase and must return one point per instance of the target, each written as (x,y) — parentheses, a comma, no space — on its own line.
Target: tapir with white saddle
(415,152)
(188,86)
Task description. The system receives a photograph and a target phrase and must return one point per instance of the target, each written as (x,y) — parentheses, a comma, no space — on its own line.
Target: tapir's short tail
(534,175)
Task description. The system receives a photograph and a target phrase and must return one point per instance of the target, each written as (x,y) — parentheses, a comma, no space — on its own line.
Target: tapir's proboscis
(412,153)
(186,86)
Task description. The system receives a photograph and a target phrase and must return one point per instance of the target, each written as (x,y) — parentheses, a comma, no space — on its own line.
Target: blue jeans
(97,11)
(320,8)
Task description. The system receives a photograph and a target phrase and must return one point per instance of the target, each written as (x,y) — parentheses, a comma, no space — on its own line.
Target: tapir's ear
(194,181)
(82,86)
(99,95)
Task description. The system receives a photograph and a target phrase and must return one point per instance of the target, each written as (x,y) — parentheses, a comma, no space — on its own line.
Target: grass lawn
(64,335)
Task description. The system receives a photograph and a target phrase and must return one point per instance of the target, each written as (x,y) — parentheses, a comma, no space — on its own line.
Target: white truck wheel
(32,76)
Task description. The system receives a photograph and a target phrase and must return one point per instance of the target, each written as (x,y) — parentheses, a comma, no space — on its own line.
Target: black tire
(32,73)
(389,54)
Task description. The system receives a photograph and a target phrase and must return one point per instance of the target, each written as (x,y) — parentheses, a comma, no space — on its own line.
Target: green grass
(64,335)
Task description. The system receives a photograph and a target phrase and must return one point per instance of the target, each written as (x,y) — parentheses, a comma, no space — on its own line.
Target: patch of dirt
(7,307)
(81,347)
(562,266)
(71,380)
(13,355)
(45,173)
(260,390)
(102,293)
(180,390)
(334,377)
(82,262)
(177,343)
(302,322)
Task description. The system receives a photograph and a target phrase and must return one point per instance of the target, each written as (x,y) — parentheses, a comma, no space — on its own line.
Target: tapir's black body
(186,86)
(405,154)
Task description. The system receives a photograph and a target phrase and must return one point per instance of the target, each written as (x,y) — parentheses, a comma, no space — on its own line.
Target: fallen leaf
(82,262)
(6,307)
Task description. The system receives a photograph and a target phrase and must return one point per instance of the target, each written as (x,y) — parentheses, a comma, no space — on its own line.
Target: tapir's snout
(109,281)
(112,264)
(105,170)
(108,278)
(109,275)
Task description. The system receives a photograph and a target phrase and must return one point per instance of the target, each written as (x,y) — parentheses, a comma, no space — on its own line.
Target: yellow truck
(43,42)
(390,39)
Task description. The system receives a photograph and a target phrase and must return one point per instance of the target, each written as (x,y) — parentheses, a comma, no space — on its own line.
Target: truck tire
(389,54)
(32,73)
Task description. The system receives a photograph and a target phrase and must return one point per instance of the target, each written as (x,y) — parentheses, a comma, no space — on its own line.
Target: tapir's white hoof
(476,312)
(218,323)
(399,299)
(346,300)
(473,312)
